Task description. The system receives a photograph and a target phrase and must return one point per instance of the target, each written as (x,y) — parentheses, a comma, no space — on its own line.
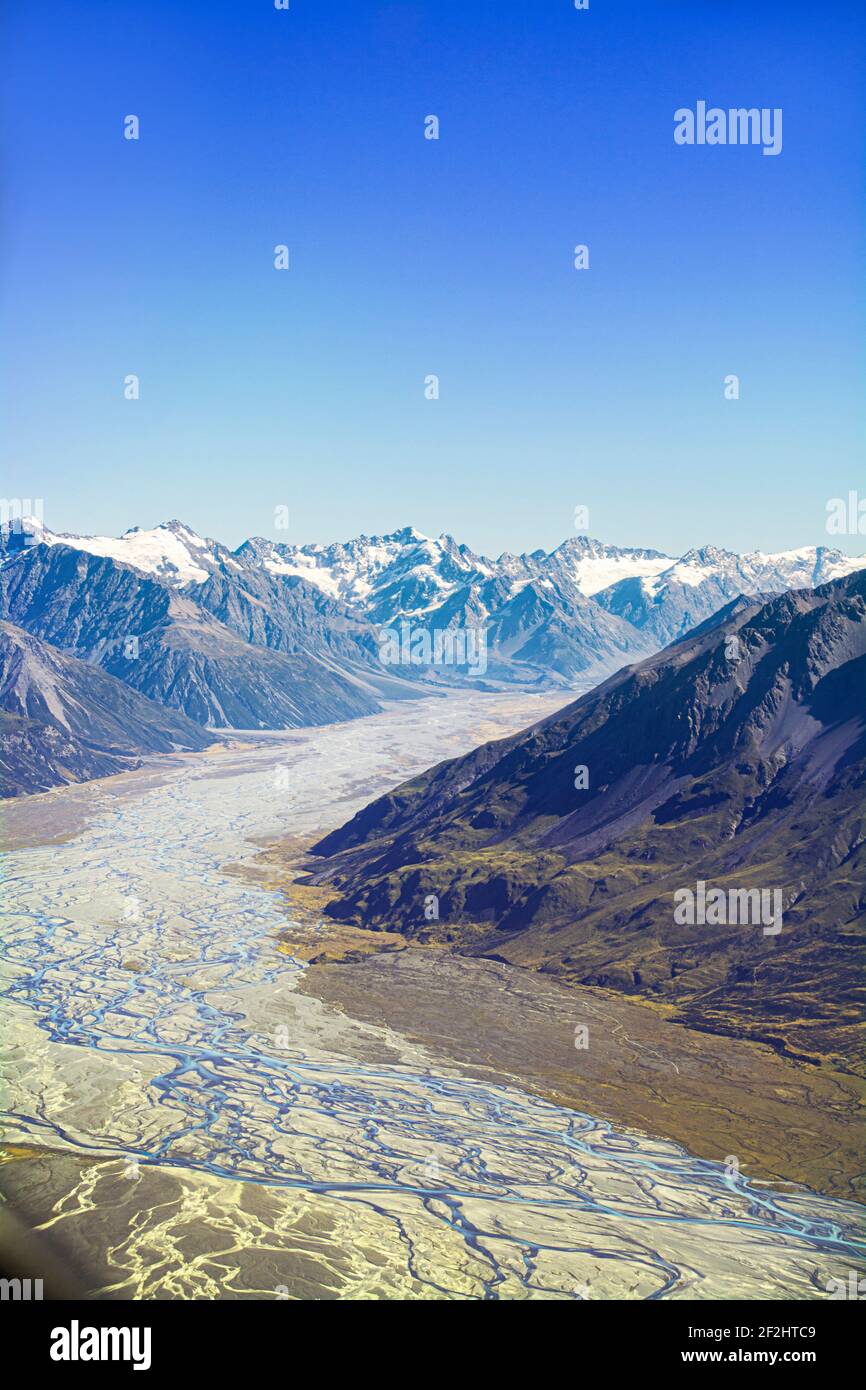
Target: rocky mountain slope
(735,758)
(164,642)
(62,720)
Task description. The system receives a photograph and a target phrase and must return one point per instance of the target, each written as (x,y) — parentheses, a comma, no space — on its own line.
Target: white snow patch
(305,568)
(594,573)
(692,575)
(160,551)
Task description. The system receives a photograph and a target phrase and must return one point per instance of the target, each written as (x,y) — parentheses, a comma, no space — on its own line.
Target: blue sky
(410,257)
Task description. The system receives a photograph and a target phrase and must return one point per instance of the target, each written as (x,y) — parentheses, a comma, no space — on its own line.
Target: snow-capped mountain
(536,610)
(171,552)
(408,575)
(236,651)
(405,574)
(666,605)
(270,635)
(393,572)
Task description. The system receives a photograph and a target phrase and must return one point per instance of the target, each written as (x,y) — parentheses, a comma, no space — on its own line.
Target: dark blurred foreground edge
(56,1339)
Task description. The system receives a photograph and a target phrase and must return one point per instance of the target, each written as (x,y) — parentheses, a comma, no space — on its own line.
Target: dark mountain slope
(65,721)
(736,757)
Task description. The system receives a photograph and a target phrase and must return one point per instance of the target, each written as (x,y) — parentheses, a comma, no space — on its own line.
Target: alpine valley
(325,978)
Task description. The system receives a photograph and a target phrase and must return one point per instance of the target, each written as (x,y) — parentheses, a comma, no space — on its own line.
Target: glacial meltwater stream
(202,1129)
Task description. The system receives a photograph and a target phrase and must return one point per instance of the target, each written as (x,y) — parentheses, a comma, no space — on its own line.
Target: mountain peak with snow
(406,573)
(172,551)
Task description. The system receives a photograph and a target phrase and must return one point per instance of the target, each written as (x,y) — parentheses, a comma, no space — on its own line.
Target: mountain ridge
(735,757)
(567,618)
(63,720)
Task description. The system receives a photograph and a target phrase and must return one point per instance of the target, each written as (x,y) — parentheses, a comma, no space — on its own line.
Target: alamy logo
(20,1290)
(736,126)
(76,1343)
(850,1288)
(715,907)
(447,646)
(23,516)
(847,516)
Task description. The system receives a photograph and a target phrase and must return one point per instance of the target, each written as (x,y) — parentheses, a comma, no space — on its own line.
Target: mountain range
(272,636)
(734,760)
(572,614)
(656,597)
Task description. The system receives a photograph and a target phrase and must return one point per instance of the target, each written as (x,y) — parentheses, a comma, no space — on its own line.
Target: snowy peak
(568,612)
(353,569)
(368,570)
(171,552)
(360,571)
(810,566)
(594,566)
(757,572)
(694,587)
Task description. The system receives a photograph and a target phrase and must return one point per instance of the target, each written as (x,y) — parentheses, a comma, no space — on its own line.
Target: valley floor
(190,1110)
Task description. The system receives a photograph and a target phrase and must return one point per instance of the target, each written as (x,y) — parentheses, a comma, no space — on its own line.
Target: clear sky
(411,257)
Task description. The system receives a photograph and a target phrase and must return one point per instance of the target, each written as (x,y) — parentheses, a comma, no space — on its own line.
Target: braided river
(187,1124)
